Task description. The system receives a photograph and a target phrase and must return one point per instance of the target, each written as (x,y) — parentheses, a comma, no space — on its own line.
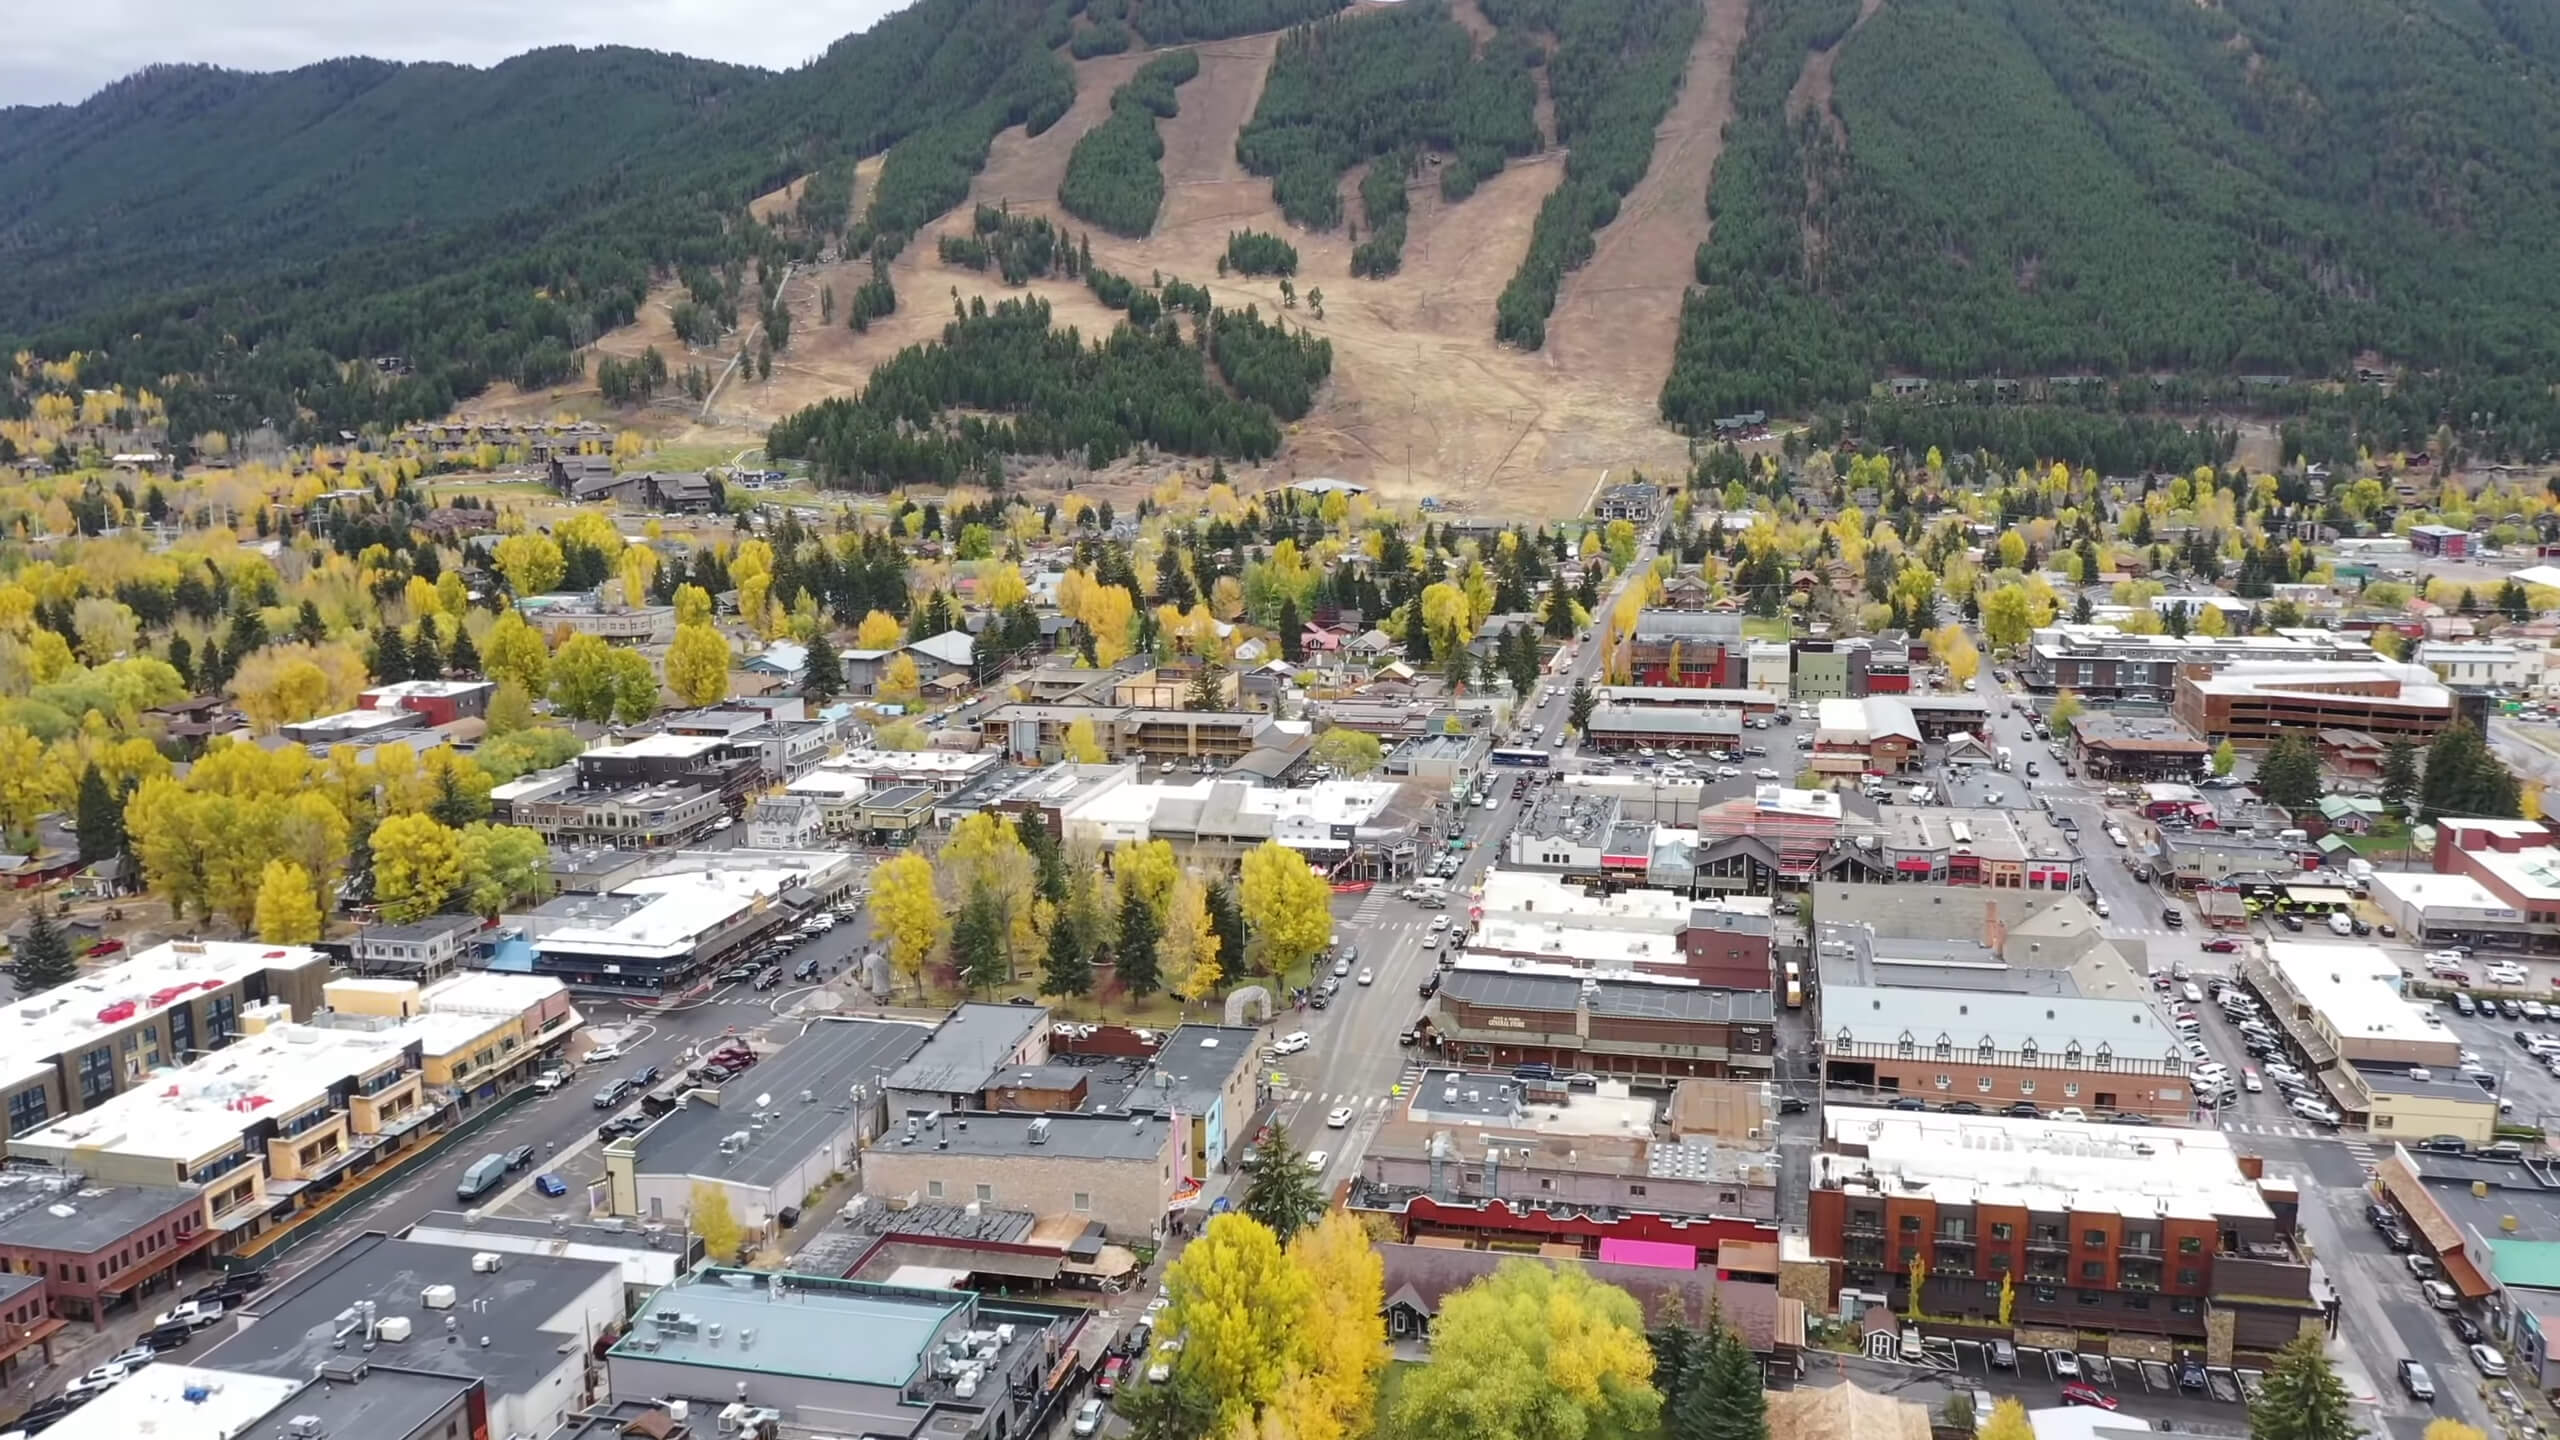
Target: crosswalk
(1361,1105)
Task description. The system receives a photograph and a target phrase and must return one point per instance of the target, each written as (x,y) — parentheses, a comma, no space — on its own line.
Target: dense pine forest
(1056,394)
(2256,187)
(1115,175)
(1348,88)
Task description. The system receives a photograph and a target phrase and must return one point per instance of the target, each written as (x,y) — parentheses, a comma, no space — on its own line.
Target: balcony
(2142,1248)
(1857,1224)
(2048,1245)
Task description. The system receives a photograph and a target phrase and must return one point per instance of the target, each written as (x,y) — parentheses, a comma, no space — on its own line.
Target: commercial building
(553,804)
(1210,1080)
(1876,733)
(1418,1278)
(1645,1029)
(1994,1050)
(96,1247)
(1621,727)
(2346,1003)
(1037,733)
(1349,829)
(2252,704)
(650,1255)
(2154,1237)
(434,702)
(771,1348)
(1122,1172)
(81,1044)
(1750,702)
(203,1404)
(1831,670)
(2119,747)
(1775,835)
(2518,863)
(943,772)
(661,930)
(523,1325)
(1940,845)
(771,1137)
(2102,664)
(581,615)
(972,1050)
(1489,1159)
(1545,918)
(1443,763)
(422,950)
(2481,663)
(2432,909)
(1686,648)
(352,727)
(1595,825)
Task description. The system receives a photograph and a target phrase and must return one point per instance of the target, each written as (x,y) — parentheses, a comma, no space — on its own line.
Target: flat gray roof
(94,1216)
(1074,1135)
(296,1324)
(824,1064)
(385,1402)
(1559,994)
(802,1329)
(1192,1068)
(967,1047)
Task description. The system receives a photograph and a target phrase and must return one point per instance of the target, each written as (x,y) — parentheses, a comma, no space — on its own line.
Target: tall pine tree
(1135,955)
(100,819)
(44,955)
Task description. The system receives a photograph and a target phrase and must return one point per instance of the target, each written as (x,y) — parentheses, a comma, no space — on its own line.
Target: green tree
(823,679)
(2399,775)
(44,957)
(1348,751)
(2226,757)
(1578,709)
(2301,1397)
(2007,616)
(1283,1193)
(1534,1351)
(1134,959)
(1734,1406)
(2289,773)
(978,941)
(1068,969)
(100,818)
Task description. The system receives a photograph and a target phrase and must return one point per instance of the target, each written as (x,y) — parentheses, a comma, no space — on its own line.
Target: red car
(2224,945)
(1111,1372)
(2076,1394)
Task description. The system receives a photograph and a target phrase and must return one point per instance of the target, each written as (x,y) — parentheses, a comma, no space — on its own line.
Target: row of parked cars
(2442,1298)
(170,1330)
(762,968)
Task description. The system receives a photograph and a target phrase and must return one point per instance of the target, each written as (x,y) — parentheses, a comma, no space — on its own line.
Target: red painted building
(108,1245)
(438,702)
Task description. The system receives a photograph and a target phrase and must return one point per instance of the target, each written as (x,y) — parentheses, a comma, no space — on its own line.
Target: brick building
(2153,1237)
(1501,1014)
(1688,649)
(2250,705)
(2102,663)
(1993,1050)
(1120,1171)
(97,1246)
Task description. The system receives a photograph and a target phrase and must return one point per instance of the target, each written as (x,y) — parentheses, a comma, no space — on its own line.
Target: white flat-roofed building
(1219,819)
(2349,998)
(169,1401)
(2480,663)
(2430,908)
(1995,1050)
(657,932)
(2042,1166)
(941,771)
(1551,896)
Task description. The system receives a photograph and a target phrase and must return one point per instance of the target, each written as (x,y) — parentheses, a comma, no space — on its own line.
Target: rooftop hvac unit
(437,1297)
(395,1327)
(486,1262)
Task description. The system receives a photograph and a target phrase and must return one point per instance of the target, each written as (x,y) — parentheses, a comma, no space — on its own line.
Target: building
(422,950)
(1445,764)
(2481,663)
(2432,909)
(435,702)
(1877,733)
(2250,705)
(2106,746)
(1547,919)
(1645,1029)
(955,1065)
(96,1247)
(1751,703)
(1639,501)
(944,772)
(1592,826)
(584,615)
(2346,1003)
(770,1137)
(80,1045)
(1489,1159)
(1038,733)
(203,1404)
(2441,542)
(2102,664)
(1942,845)
(660,930)
(1122,1172)
(1830,670)
(1349,829)
(564,812)
(2161,1234)
(2106,1057)
(933,1361)
(1686,648)
(523,1325)
(1419,1277)
(1775,835)
(1663,727)
(787,822)
(650,1256)
(352,727)
(1208,1078)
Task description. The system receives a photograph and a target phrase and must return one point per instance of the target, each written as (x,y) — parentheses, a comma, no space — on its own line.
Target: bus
(1527,757)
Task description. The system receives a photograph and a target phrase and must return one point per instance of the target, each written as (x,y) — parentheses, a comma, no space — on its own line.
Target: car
(1161,1369)
(808,970)
(1368,977)
(2250,1082)
(2283,1074)
(1112,1371)
(2100,905)
(96,1382)
(768,977)
(1340,1116)
(2066,1366)
(2423,1268)
(1430,983)
(2079,1394)
(1439,922)
(1764,773)
(2193,993)
(550,1185)
(736,973)
(134,1358)
(519,1157)
(1963,1107)
(2004,1355)
(2489,1362)
(2464,1329)
(1315,1160)
(2072,1113)
(2440,1296)
(2222,945)
(2024,1110)
(2174,918)
(2314,1111)
(1089,1417)
(1341,968)
(2415,1379)
(194,1314)
(724,822)
(1430,939)
(610,1050)
(1291,1043)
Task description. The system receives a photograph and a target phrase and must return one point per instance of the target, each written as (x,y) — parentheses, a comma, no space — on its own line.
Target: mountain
(181,173)
(1967,188)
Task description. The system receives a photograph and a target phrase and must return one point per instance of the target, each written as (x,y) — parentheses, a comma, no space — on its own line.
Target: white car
(2280,1071)
(1316,1159)
(2491,1363)
(1764,773)
(1439,922)
(2066,1366)
(96,1382)
(1340,1117)
(1430,939)
(2250,1082)
(724,822)
(1367,976)
(2100,905)
(1291,1043)
(2070,1112)
(1341,968)
(610,1050)
(2445,957)
(1089,1417)
(2315,1112)
(1728,772)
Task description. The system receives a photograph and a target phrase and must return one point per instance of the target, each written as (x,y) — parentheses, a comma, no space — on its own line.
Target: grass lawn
(1390,1385)
(1766,627)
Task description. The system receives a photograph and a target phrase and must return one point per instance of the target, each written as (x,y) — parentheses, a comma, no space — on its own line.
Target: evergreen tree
(2289,773)
(2301,1397)
(453,806)
(823,678)
(307,627)
(1293,644)
(977,941)
(464,658)
(1282,1194)
(1732,1406)
(2081,610)
(182,658)
(1069,967)
(1226,918)
(44,957)
(1578,709)
(101,820)
(1049,863)
(1520,662)
(2399,776)
(1135,956)
(1417,635)
(390,656)
(1559,612)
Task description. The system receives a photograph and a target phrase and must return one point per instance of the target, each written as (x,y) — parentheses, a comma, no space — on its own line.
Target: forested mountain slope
(2029,187)
(180,172)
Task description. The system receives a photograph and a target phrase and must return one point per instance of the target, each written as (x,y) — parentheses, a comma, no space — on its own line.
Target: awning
(1913,865)
(2465,1276)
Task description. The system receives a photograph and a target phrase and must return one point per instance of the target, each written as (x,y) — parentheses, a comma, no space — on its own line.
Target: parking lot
(2199,1395)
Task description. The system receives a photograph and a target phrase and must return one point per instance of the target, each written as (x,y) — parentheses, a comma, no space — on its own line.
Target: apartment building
(2152,1237)
(79,1045)
(2252,704)
(94,1246)
(1687,648)
(2101,663)
(1646,1029)
(1944,845)
(1990,1050)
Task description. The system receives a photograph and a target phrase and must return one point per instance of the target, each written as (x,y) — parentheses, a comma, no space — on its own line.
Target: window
(1905,1046)
(2027,1053)
(1982,1084)
(2136,1302)
(933,1189)
(2094,1239)
(1084,1200)
(2381,1122)
(2106,1058)
(2092,1297)
(986,1193)
(2070,1089)
(1910,1224)
(27,1110)
(1943,1082)
(2184,1305)
(2044,1294)
(2093,1271)
(2026,1087)
(2002,1230)
(1635,1190)
(2187,1276)
(2190,1245)
(1946,1048)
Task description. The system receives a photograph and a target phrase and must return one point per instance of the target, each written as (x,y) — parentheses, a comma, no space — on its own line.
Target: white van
(2339,924)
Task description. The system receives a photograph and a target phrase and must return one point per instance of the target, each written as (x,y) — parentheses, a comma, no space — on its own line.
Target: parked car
(2066,1366)
(1112,1371)
(2222,945)
(2076,1393)
(1089,1417)
(2489,1362)
(550,1185)
(614,1093)
(2415,1379)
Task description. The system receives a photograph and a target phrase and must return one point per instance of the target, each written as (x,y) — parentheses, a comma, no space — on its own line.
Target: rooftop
(1528,985)
(2126,732)
(2006,835)
(792,1325)
(2451,892)
(967,1046)
(2044,1165)
(294,1329)
(809,1085)
(1666,720)
(362,1402)
(169,1401)
(1140,1137)
(1552,897)
(2534,875)
(2356,990)
(185,1115)
(45,1209)
(1192,1067)
(2051,1025)
(70,1017)
(660,746)
(2402,685)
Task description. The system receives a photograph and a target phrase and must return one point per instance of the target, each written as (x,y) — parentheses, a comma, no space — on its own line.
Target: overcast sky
(81,46)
